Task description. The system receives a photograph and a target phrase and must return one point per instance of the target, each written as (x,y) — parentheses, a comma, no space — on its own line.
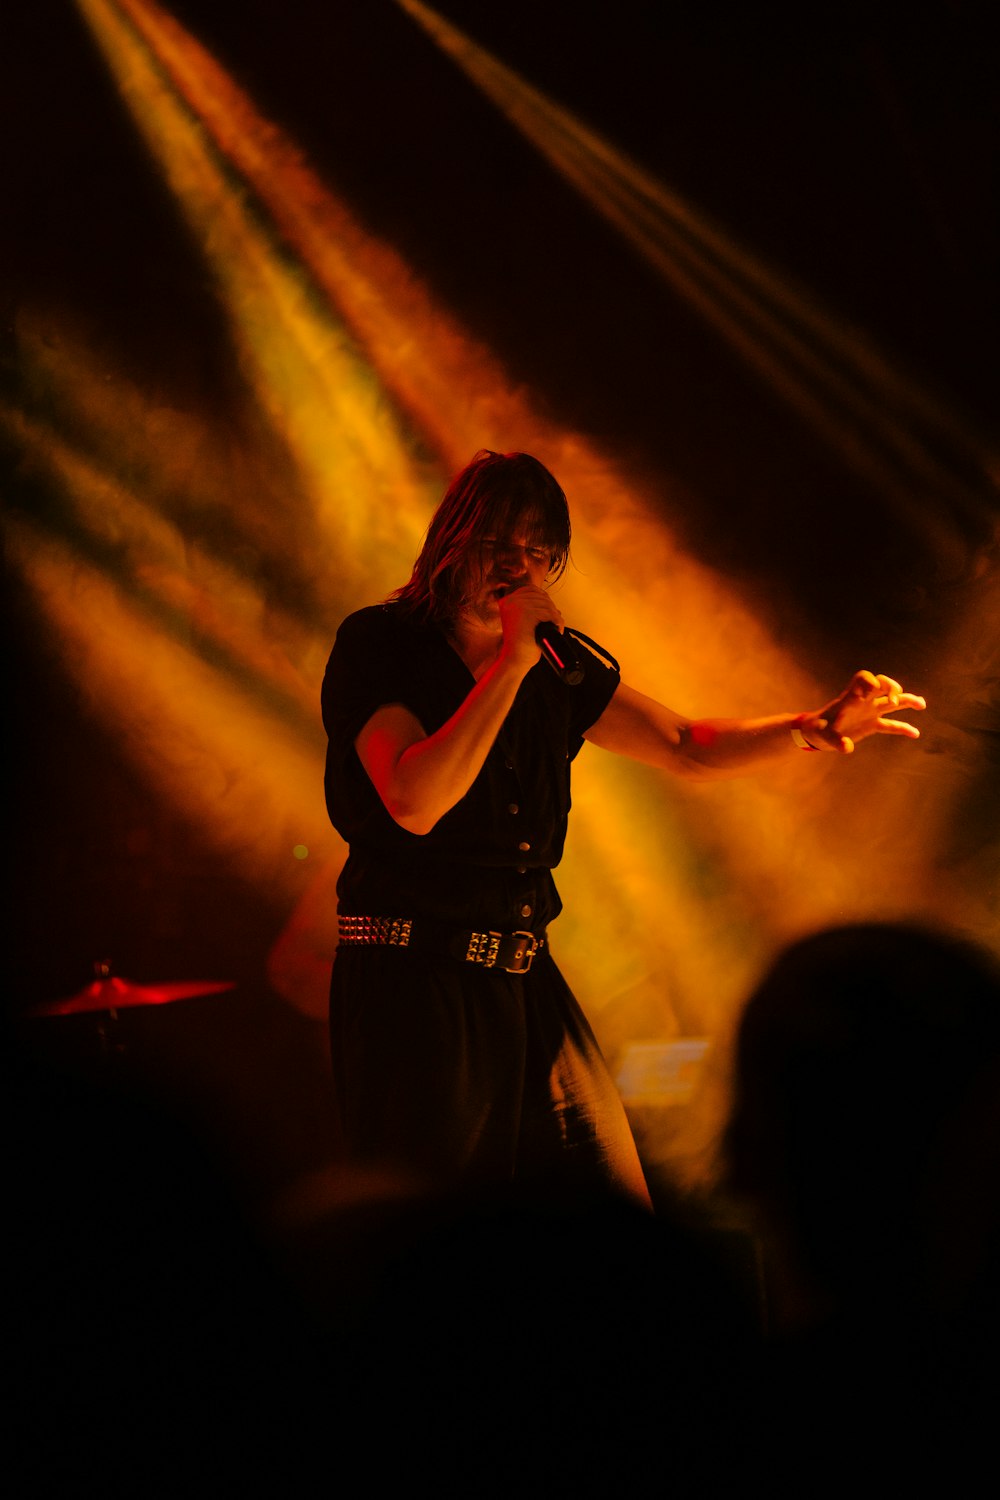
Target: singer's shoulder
(380,622)
(377,650)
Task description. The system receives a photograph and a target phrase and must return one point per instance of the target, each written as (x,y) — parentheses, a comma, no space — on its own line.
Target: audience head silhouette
(865,1128)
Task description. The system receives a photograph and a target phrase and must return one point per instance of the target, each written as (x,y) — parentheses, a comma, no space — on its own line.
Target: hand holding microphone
(558,648)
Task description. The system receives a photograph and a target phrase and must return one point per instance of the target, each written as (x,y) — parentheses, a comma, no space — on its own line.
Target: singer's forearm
(645,730)
(421,777)
(640,727)
(718,746)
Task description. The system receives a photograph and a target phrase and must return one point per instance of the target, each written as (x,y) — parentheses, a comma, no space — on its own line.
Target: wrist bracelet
(799,738)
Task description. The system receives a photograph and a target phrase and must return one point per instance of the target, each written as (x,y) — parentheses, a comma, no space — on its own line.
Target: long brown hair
(489,498)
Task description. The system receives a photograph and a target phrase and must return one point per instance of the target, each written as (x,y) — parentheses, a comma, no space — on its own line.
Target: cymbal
(120,994)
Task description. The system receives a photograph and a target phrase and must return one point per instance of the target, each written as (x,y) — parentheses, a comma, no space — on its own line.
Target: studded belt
(510,951)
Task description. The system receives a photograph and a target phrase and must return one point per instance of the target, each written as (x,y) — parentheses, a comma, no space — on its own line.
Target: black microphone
(560,651)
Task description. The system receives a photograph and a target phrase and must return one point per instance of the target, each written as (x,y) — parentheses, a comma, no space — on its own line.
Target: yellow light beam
(352,453)
(418,353)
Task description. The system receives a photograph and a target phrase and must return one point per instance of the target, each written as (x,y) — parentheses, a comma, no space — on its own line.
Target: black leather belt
(510,951)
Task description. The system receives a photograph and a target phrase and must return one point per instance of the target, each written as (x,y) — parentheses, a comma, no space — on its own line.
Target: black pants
(457,1075)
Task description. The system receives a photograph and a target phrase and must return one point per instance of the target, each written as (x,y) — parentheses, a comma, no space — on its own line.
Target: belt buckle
(524,955)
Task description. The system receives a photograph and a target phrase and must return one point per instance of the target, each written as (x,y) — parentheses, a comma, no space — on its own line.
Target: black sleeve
(370,665)
(589,698)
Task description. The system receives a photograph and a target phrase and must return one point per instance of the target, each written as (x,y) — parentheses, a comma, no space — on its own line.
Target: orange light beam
(242,776)
(209,601)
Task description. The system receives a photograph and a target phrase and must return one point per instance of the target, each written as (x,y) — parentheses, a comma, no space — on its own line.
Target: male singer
(460,1056)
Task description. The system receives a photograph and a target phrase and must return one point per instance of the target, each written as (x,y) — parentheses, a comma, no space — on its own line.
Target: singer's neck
(477,642)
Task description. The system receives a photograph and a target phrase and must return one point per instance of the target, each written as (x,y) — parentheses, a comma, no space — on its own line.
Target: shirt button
(524,848)
(526,910)
(512,807)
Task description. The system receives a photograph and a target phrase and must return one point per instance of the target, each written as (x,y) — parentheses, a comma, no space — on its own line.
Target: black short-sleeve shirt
(489,859)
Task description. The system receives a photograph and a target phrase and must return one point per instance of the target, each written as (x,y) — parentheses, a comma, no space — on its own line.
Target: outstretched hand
(858,712)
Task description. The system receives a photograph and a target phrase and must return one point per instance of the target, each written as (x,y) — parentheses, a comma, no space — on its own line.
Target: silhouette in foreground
(865,1136)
